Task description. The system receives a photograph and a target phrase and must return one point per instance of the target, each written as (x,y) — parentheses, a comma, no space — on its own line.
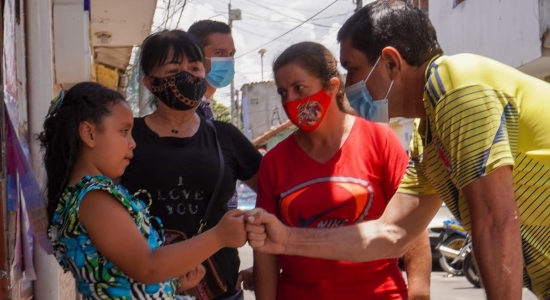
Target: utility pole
(238,109)
(262,52)
(359,4)
(234,15)
(232,104)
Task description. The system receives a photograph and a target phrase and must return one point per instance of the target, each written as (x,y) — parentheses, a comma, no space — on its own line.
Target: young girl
(100,232)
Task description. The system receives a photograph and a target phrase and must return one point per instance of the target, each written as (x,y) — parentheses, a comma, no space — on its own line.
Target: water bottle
(234,201)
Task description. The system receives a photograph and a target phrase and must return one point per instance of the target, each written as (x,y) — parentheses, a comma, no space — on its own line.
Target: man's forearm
(404,219)
(499,257)
(417,262)
(366,241)
(496,233)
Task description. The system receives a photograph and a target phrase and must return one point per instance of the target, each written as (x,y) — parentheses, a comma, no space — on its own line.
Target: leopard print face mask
(182,91)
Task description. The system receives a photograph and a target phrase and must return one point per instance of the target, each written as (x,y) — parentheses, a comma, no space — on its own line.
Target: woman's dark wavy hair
(395,23)
(317,61)
(60,140)
(156,49)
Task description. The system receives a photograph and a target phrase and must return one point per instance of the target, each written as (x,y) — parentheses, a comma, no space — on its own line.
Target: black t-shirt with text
(181,173)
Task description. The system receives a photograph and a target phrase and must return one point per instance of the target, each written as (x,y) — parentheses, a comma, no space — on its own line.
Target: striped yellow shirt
(481,115)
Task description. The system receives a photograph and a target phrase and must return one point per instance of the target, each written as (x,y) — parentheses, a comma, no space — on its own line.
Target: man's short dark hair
(204,28)
(395,23)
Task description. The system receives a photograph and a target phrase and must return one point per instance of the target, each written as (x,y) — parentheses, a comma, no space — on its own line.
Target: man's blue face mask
(221,72)
(360,99)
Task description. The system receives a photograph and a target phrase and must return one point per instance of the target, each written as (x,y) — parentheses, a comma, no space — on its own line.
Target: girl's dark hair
(317,61)
(395,23)
(156,48)
(60,140)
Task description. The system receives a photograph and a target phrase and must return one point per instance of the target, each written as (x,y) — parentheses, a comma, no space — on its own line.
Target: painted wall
(127,22)
(279,137)
(71,42)
(263,107)
(52,283)
(506,30)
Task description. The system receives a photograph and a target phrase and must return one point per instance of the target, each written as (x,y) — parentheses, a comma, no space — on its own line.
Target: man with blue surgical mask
(368,87)
(219,64)
(481,145)
(362,102)
(219,49)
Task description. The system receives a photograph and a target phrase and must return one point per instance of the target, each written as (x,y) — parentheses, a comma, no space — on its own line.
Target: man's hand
(191,279)
(247,280)
(265,232)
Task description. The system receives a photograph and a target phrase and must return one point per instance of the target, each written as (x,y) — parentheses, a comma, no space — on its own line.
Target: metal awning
(116,26)
(116,57)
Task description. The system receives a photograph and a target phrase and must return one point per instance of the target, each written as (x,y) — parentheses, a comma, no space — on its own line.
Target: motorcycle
(451,241)
(458,261)
(469,266)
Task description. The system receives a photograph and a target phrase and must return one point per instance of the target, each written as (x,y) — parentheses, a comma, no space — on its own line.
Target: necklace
(175,131)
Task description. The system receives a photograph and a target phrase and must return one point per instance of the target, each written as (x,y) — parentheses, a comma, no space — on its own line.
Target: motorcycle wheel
(454,242)
(470,270)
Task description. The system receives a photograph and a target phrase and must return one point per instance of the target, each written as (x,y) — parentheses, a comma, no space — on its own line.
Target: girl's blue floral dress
(96,277)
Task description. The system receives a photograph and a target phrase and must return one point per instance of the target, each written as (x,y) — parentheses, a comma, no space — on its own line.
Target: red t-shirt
(353,186)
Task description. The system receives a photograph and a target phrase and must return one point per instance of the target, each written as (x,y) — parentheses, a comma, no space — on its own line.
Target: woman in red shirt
(335,170)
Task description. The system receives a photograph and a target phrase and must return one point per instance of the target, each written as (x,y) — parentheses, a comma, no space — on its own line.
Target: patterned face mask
(182,91)
(309,112)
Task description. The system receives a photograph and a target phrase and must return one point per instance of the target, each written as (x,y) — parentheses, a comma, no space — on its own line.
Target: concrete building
(49,45)
(513,32)
(262,109)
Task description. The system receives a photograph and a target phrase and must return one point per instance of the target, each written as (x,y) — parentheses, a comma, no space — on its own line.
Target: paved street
(458,288)
(448,288)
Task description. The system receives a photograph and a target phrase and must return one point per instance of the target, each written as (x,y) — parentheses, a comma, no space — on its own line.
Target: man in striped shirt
(482,146)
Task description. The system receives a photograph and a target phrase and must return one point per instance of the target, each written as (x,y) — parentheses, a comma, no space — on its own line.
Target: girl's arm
(266,276)
(115,235)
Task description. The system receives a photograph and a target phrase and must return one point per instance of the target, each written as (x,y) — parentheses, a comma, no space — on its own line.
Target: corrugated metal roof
(264,138)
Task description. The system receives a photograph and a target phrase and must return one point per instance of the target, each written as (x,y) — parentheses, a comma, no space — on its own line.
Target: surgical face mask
(181,91)
(361,100)
(221,72)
